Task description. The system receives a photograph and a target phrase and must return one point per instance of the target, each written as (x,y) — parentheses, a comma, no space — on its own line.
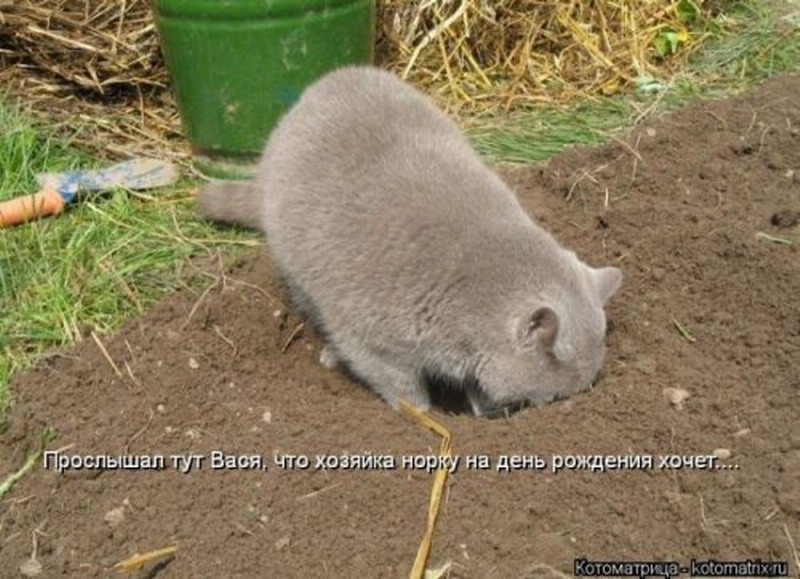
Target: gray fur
(413,257)
(231,202)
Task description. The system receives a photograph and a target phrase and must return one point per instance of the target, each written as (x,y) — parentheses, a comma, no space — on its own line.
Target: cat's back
(362,141)
(361,107)
(351,122)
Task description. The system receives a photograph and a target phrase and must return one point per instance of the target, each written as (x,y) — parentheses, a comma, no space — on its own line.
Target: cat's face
(553,348)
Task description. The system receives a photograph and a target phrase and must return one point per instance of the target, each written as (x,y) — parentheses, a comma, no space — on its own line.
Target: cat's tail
(235,202)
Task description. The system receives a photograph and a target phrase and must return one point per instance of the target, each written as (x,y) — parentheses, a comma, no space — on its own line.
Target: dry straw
(480,54)
(93,67)
(95,64)
(94,45)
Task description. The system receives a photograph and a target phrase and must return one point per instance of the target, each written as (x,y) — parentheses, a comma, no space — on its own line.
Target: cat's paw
(327,358)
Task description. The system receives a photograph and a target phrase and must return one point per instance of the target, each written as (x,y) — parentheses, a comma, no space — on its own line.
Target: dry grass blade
(106,355)
(437,489)
(136,561)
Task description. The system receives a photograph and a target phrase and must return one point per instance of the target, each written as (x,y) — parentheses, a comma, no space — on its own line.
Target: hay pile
(95,45)
(479,54)
(95,64)
(94,68)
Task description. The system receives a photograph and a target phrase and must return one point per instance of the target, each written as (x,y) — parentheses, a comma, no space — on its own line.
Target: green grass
(92,267)
(535,136)
(766,42)
(750,42)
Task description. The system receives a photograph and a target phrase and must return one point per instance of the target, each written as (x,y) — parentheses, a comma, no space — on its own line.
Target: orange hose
(22,209)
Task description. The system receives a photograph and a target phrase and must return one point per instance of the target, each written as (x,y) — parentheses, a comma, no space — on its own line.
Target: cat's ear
(605,281)
(538,326)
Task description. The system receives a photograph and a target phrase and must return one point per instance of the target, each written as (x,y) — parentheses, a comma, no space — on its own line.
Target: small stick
(226,340)
(317,492)
(773,238)
(291,338)
(221,267)
(752,121)
(631,150)
(197,303)
(683,331)
(703,513)
(136,561)
(105,353)
(139,432)
(34,564)
(720,120)
(128,345)
(272,299)
(12,536)
(763,137)
(244,529)
(578,225)
(19,501)
(635,163)
(133,378)
(584,175)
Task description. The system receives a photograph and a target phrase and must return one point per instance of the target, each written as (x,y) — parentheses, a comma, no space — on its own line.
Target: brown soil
(678,206)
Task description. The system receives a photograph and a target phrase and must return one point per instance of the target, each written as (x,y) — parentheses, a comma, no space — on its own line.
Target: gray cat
(411,257)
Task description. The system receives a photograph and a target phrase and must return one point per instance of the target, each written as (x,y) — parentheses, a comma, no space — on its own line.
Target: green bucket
(237,65)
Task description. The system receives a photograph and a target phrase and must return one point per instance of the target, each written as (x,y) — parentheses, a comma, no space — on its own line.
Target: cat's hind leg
(390,382)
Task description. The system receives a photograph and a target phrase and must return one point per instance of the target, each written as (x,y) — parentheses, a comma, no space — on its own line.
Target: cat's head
(551,345)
